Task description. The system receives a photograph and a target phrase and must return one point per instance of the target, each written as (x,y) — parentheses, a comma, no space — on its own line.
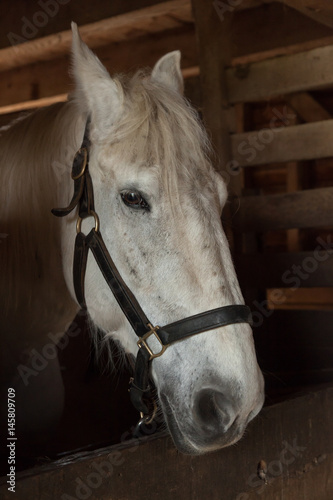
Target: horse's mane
(33,155)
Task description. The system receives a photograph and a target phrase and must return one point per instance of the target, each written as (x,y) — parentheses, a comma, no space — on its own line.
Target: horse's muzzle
(215,420)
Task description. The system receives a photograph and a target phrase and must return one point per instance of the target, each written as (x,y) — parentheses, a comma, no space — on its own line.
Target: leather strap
(140,390)
(208,320)
(125,298)
(79,167)
(81,250)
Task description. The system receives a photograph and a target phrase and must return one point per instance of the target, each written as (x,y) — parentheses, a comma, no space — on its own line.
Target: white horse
(159,202)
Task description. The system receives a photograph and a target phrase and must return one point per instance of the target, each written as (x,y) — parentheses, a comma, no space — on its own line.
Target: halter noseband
(83,198)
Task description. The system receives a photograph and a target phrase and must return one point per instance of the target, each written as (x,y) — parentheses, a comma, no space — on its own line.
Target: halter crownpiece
(83,198)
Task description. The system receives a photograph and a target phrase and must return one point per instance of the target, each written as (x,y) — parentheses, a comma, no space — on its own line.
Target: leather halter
(83,198)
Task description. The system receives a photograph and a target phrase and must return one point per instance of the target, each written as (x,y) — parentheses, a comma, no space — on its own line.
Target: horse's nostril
(214,410)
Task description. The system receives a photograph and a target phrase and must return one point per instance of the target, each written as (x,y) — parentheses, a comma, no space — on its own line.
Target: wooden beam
(283,270)
(308,208)
(314,299)
(214,56)
(283,75)
(28,105)
(214,47)
(318,10)
(293,437)
(307,107)
(154,19)
(282,144)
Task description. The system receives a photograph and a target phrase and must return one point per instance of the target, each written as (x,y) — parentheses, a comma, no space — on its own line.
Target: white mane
(29,150)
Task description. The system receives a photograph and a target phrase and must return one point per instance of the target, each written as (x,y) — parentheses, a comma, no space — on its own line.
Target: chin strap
(83,198)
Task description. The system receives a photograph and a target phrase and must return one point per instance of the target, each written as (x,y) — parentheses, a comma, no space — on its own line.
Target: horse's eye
(134,199)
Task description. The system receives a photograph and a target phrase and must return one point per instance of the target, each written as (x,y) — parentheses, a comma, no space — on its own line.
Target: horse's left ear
(167,71)
(94,85)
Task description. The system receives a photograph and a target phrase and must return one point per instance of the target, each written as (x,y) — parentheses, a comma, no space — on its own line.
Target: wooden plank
(308,208)
(283,75)
(283,144)
(33,104)
(47,79)
(282,270)
(153,19)
(318,10)
(314,299)
(292,437)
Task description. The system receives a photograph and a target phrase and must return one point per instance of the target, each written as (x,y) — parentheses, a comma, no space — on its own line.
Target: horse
(159,202)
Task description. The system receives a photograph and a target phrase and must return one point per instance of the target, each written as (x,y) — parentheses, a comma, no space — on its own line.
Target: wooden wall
(286,440)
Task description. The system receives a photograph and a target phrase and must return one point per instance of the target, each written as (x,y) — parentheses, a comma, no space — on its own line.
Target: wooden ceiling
(136,33)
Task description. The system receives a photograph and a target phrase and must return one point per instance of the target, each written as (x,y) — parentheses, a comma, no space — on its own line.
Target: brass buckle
(142,342)
(84,164)
(79,222)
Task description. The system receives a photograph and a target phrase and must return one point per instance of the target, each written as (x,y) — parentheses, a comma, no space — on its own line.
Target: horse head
(159,202)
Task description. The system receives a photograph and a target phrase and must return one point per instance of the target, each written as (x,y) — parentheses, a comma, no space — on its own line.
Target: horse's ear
(94,85)
(167,71)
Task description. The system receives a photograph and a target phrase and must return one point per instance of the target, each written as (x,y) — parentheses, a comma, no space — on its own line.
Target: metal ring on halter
(80,219)
(148,419)
(84,164)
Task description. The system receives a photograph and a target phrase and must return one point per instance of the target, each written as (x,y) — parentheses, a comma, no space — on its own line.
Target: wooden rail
(283,144)
(282,75)
(308,208)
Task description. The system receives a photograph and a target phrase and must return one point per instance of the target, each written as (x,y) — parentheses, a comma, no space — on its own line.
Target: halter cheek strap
(83,198)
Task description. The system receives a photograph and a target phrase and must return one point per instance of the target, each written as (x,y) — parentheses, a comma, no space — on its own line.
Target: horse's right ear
(96,92)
